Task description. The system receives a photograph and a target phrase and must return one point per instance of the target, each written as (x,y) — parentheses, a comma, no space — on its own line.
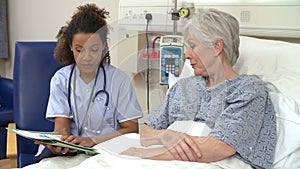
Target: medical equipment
(171,57)
(87,119)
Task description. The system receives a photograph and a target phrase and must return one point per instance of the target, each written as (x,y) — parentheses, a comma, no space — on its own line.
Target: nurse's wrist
(93,141)
(63,131)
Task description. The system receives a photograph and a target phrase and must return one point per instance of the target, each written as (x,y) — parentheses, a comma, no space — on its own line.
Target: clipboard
(51,138)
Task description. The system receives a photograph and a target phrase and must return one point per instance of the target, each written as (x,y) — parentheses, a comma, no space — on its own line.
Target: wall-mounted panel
(257,17)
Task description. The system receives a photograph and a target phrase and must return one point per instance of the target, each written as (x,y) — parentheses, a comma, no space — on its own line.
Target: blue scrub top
(123,104)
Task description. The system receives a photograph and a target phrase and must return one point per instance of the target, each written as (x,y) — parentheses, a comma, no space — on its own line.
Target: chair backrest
(6,94)
(33,68)
(6,112)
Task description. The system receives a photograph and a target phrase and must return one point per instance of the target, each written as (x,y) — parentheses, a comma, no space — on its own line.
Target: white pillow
(275,61)
(287,153)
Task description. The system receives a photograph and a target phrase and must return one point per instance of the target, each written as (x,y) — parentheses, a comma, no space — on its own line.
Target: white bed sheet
(110,158)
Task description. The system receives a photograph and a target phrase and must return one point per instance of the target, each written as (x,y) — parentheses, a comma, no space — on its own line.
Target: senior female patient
(236,107)
(90,100)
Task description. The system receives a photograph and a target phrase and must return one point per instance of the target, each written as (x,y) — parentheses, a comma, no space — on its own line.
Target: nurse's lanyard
(87,118)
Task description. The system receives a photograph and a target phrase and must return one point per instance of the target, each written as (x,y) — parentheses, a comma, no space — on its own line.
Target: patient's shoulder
(247,82)
(246,87)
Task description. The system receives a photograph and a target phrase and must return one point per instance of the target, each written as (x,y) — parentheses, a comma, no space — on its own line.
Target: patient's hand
(211,148)
(176,146)
(181,146)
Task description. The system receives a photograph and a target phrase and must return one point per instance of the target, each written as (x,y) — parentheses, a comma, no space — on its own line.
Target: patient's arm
(150,136)
(158,153)
(212,150)
(187,149)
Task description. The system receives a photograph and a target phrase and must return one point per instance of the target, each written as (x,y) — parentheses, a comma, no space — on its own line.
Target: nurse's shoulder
(62,75)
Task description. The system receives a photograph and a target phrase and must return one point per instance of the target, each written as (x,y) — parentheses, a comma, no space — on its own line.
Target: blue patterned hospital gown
(239,112)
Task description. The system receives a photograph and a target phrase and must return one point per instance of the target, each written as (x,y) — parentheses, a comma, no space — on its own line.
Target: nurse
(90,100)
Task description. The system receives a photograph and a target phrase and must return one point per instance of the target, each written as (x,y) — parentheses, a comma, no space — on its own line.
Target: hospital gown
(239,112)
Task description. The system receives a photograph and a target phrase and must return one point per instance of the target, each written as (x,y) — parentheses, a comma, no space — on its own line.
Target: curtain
(3,29)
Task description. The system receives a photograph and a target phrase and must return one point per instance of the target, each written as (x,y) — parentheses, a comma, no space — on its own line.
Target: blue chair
(6,112)
(33,68)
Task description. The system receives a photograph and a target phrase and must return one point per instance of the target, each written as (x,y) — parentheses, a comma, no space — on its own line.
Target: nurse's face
(201,56)
(87,50)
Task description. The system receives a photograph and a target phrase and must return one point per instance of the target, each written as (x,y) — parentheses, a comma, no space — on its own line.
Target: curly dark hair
(87,19)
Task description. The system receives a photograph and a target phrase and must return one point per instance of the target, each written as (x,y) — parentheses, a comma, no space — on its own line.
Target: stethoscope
(88,126)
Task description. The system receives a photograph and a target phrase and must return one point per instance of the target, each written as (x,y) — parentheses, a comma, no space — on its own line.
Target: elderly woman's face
(202,57)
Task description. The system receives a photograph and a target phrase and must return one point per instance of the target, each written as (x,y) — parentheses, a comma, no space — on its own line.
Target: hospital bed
(276,62)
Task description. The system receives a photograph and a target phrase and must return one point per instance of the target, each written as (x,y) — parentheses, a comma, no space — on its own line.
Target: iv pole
(175,20)
(183,12)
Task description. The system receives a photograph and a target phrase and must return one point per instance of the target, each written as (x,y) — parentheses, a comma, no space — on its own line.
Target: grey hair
(208,25)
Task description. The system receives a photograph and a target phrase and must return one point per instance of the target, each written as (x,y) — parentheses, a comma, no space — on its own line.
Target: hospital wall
(40,20)
(34,20)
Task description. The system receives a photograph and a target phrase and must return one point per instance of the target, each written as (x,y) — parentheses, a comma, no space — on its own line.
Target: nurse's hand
(82,141)
(56,149)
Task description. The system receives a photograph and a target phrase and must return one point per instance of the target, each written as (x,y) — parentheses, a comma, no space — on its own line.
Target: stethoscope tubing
(98,92)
